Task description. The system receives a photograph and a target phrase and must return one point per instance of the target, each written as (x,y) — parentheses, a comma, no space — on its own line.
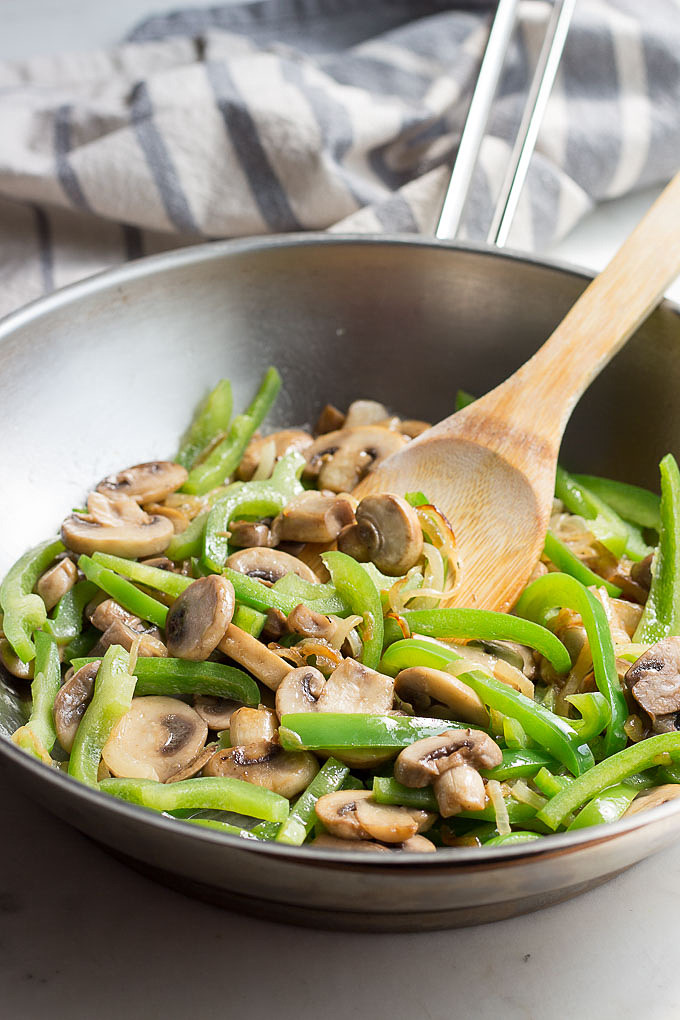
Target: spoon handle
(543,392)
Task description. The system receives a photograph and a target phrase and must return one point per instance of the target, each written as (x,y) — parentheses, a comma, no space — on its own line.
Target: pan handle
(478,115)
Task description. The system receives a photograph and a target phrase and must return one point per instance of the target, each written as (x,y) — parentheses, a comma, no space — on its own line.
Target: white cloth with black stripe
(288,115)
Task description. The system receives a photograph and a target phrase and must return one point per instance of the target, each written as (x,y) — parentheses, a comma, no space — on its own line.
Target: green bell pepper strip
(356,588)
(189,542)
(266,830)
(634,504)
(125,594)
(225,458)
(513,838)
(24,612)
(38,735)
(250,592)
(67,622)
(513,734)
(610,772)
(300,821)
(554,591)
(568,563)
(661,615)
(553,733)
(391,632)
(611,530)
(595,714)
(265,498)
(487,625)
(82,644)
(114,688)
(464,399)
(334,731)
(517,764)
(211,420)
(548,784)
(225,827)
(219,792)
(171,677)
(153,577)
(389,791)
(609,806)
(415,499)
(249,620)
(311,594)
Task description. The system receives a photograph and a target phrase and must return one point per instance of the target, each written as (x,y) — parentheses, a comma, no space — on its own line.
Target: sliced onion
(493,788)
(440,533)
(327,657)
(356,645)
(522,793)
(267,461)
(342,629)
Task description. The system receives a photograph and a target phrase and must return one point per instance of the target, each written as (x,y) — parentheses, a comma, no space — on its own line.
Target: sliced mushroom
(216,712)
(422,762)
(328,842)
(365,412)
(353,814)
(116,525)
(413,428)
(157,738)
(198,619)
(418,845)
(341,459)
(71,701)
(653,798)
(264,764)
(275,626)
(654,682)
(309,623)
(56,581)
(329,420)
(314,517)
(387,532)
(270,565)
(109,611)
(178,519)
(163,563)
(352,687)
(459,789)
(420,685)
(250,653)
(120,633)
(250,725)
(195,766)
(145,483)
(641,572)
(248,534)
(283,442)
(12,663)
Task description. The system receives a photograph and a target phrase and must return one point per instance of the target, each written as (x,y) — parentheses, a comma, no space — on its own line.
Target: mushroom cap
(109,611)
(250,725)
(339,460)
(653,798)
(284,441)
(247,651)
(120,633)
(71,701)
(314,517)
(386,822)
(264,764)
(351,687)
(270,565)
(13,664)
(459,789)
(654,678)
(387,532)
(308,623)
(198,619)
(337,812)
(353,814)
(418,845)
(116,525)
(214,711)
(365,412)
(423,761)
(248,534)
(145,483)
(418,685)
(56,581)
(299,691)
(330,419)
(328,842)
(157,738)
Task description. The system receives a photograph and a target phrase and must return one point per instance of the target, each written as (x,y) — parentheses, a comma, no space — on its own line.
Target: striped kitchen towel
(287,115)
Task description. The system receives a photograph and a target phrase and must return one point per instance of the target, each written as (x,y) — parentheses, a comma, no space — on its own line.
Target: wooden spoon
(491,467)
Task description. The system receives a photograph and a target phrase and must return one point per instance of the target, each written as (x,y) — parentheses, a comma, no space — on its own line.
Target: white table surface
(83,936)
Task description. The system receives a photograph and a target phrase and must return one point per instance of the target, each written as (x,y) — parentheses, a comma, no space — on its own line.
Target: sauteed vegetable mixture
(230,638)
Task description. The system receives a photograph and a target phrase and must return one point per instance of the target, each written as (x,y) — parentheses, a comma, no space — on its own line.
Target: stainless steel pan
(106,373)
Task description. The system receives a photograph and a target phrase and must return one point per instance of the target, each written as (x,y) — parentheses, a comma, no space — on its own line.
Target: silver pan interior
(107,372)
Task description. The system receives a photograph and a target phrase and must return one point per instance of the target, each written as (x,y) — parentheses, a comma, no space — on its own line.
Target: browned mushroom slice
(352,687)
(365,412)
(422,762)
(339,460)
(199,762)
(71,701)
(309,623)
(264,764)
(418,845)
(314,517)
(387,532)
(199,617)
(641,572)
(353,814)
(250,653)
(654,680)
(283,442)
(145,483)
(329,420)
(653,798)
(249,534)
(109,611)
(119,633)
(328,842)
(116,525)
(216,712)
(12,663)
(270,565)
(459,789)
(157,738)
(250,725)
(56,581)
(420,685)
